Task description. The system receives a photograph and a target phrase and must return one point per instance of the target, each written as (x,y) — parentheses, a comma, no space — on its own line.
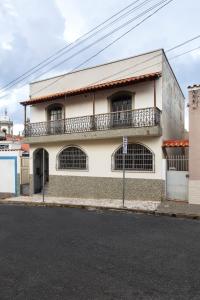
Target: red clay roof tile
(176,143)
(93,88)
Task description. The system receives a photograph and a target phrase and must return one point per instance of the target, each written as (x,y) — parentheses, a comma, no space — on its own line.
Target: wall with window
(142,97)
(99,158)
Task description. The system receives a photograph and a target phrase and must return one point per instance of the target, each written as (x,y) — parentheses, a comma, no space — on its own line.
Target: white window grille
(177,163)
(138,158)
(72,158)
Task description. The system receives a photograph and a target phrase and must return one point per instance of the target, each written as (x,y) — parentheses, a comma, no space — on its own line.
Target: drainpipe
(64,107)
(154,104)
(93,111)
(154,91)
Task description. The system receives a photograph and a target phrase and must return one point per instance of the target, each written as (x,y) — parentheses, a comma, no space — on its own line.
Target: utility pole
(43,177)
(125,143)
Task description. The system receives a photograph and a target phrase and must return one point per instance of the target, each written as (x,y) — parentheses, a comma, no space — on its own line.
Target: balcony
(82,127)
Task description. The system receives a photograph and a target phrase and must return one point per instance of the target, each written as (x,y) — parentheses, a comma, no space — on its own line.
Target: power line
(171,49)
(151,58)
(147,67)
(141,69)
(181,54)
(76,43)
(90,45)
(184,43)
(170,58)
(114,41)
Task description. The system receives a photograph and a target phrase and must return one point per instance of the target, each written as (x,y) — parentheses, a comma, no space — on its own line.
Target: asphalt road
(61,253)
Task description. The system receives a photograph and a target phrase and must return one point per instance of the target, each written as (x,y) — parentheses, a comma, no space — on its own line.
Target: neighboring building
(78,121)
(10,177)
(194,149)
(6,124)
(14,158)
(14,142)
(2,136)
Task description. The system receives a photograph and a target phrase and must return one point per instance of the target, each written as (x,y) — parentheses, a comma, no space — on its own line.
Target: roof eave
(103,86)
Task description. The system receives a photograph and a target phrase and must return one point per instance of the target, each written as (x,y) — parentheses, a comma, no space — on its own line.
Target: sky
(32,30)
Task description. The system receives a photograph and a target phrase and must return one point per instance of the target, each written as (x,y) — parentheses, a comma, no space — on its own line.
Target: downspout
(64,125)
(154,92)
(93,112)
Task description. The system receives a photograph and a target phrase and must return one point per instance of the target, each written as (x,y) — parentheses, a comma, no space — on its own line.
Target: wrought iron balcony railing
(146,117)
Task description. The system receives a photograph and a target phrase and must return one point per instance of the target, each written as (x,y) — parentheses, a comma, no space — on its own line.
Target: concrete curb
(93,207)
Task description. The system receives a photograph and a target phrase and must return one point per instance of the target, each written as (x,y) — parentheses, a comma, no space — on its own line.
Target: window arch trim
(82,151)
(55,106)
(120,93)
(144,170)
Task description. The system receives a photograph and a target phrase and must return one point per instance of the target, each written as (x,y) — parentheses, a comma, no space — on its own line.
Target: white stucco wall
(99,158)
(137,65)
(82,105)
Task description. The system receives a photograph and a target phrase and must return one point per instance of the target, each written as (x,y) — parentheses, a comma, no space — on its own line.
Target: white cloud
(18,129)
(7,45)
(196,54)
(75,24)
(32,30)
(11,102)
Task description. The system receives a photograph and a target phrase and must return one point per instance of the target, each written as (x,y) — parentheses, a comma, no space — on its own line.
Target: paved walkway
(179,208)
(172,208)
(105,203)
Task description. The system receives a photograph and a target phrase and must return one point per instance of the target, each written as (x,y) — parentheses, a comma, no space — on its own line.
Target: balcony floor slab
(153,131)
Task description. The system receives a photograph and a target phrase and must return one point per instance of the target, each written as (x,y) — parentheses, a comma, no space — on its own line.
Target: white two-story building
(78,121)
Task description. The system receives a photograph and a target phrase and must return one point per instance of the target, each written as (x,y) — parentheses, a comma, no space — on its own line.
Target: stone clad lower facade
(105,188)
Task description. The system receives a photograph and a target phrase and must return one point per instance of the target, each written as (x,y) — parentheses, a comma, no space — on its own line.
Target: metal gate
(8,176)
(177,177)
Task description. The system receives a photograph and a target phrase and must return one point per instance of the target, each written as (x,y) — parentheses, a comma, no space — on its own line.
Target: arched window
(72,158)
(138,158)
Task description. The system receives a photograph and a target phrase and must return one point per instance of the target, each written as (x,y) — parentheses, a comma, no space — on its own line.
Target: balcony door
(121,106)
(55,118)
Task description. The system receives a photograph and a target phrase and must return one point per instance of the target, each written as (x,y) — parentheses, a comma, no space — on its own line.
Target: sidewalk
(100,203)
(179,209)
(168,208)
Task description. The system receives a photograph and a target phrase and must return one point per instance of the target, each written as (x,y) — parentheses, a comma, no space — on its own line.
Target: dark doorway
(38,169)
